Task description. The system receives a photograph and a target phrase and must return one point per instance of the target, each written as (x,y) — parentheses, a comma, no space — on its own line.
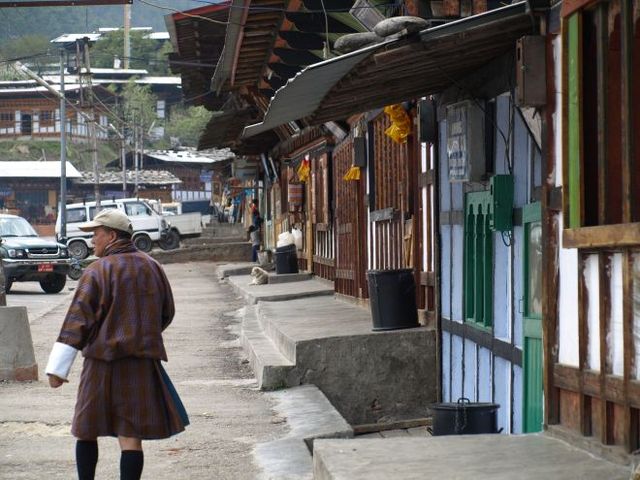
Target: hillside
(53,21)
(77,153)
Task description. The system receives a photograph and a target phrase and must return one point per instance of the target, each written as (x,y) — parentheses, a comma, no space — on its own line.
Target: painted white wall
(501,289)
(568,299)
(445,271)
(636,314)
(592,284)
(615,345)
(456,372)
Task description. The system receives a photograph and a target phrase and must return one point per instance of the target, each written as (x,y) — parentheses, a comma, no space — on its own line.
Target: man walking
(122,304)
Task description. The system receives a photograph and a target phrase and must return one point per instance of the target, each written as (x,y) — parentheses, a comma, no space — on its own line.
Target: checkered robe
(122,304)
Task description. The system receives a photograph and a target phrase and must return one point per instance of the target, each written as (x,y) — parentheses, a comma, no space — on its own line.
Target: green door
(532,318)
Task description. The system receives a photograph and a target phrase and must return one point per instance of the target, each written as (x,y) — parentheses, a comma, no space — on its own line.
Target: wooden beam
(550,239)
(583,332)
(603,323)
(62,3)
(629,203)
(619,235)
(630,433)
(602,61)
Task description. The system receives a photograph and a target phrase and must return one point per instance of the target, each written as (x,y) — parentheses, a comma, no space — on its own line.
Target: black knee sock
(131,463)
(86,458)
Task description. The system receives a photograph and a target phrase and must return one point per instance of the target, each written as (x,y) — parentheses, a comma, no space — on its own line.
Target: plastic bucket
(286,259)
(392,298)
(464,418)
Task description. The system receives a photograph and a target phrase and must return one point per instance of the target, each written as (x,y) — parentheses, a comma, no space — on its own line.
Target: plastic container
(286,259)
(284,239)
(392,297)
(464,418)
(297,237)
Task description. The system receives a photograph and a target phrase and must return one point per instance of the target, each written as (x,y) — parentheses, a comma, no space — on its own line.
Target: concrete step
(310,416)
(279,291)
(222,252)
(213,240)
(269,365)
(233,269)
(329,339)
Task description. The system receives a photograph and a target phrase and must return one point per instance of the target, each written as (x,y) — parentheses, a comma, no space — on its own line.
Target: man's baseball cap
(111,218)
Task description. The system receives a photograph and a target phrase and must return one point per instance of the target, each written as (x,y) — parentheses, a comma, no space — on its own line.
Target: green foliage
(187,124)
(139,104)
(77,153)
(24,46)
(145,53)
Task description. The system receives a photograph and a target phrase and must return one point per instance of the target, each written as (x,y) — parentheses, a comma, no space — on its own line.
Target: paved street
(229,416)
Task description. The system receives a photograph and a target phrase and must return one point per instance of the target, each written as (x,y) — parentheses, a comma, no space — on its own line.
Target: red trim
(571,6)
(201,11)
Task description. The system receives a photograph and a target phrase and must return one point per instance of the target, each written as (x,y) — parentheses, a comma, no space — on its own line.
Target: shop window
(46,116)
(478,260)
(595,178)
(6,118)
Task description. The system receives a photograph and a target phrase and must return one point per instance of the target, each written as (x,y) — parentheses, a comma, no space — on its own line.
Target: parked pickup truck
(181,225)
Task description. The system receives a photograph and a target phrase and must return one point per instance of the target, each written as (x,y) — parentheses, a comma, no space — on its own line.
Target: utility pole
(127,28)
(85,77)
(136,154)
(63,154)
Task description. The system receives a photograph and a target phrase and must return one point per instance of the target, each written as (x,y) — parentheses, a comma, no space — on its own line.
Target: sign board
(465,142)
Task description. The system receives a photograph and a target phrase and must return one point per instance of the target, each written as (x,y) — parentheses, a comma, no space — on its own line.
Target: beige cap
(111,218)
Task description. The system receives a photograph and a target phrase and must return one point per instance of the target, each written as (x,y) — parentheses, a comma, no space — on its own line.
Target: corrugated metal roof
(358,82)
(186,156)
(32,169)
(145,177)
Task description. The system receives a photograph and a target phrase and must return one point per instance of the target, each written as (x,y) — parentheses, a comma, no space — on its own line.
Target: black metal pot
(464,418)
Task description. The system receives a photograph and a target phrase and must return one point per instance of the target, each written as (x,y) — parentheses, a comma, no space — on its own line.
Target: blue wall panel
(445,270)
(521,153)
(502,375)
(446,367)
(518,265)
(485,376)
(501,288)
(517,399)
(456,370)
(457,281)
(502,120)
(445,186)
(470,370)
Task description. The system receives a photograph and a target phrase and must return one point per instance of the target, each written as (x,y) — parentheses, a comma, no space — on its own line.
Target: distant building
(28,110)
(32,190)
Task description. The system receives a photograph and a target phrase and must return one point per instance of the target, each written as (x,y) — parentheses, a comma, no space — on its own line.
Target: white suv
(148,226)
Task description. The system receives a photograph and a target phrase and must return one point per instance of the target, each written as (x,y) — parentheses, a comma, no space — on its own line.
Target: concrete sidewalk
(463,457)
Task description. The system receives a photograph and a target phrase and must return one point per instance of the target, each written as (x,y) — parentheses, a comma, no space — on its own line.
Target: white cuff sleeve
(60,360)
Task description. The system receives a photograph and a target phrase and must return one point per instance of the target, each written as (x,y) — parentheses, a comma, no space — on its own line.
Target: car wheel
(171,241)
(78,250)
(143,243)
(75,272)
(53,283)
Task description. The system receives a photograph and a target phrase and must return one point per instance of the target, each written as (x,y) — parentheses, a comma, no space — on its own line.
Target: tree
(145,54)
(24,46)
(187,124)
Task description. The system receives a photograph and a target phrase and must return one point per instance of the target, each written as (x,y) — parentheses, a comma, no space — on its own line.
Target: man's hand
(55,381)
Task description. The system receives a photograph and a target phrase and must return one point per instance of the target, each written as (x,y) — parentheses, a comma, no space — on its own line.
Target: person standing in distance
(122,304)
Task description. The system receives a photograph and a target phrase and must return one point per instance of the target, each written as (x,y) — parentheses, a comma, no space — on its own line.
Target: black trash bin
(286,259)
(464,418)
(392,297)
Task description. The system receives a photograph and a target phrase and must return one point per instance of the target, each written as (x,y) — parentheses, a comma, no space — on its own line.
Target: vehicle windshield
(16,227)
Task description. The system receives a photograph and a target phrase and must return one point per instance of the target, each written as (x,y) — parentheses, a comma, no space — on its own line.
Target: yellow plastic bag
(400,123)
(304,169)
(352,174)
